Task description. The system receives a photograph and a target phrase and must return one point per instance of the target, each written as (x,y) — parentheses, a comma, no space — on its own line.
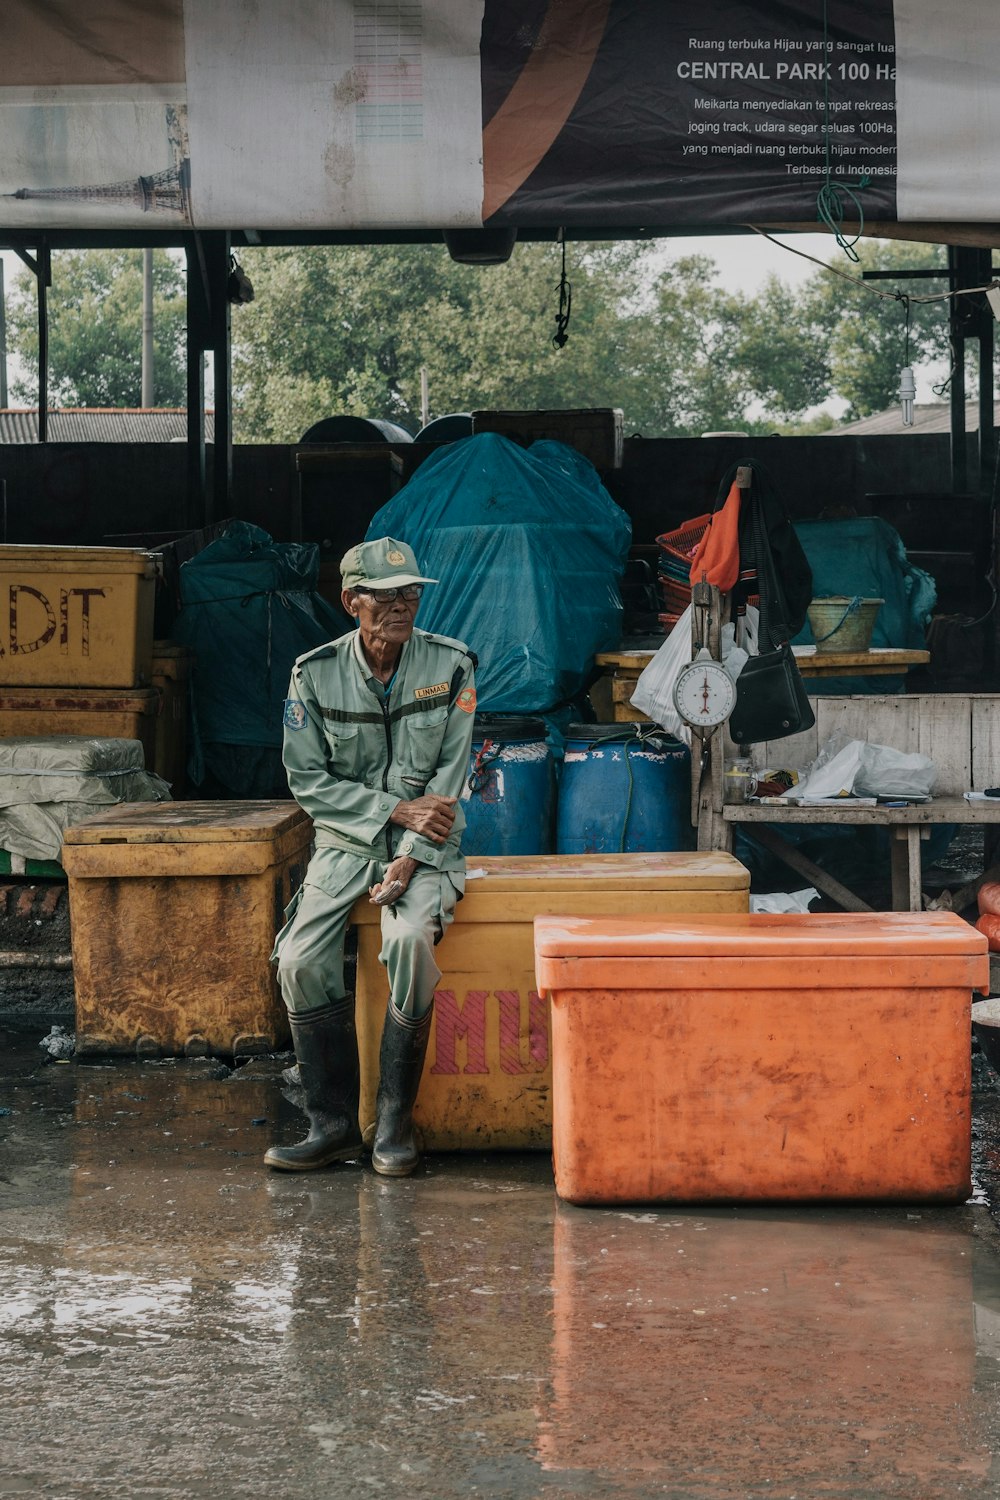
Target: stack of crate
(677,549)
(76,643)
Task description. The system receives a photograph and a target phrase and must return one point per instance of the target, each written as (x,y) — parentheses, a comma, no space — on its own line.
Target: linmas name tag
(432,692)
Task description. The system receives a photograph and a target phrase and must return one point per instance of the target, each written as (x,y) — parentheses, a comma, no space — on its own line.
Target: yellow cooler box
(173,912)
(77,616)
(487,1079)
(95,713)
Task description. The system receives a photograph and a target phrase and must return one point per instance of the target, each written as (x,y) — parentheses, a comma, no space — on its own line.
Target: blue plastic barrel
(509,793)
(625,789)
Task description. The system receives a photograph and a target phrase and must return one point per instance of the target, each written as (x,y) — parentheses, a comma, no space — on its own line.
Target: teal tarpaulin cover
(528,548)
(865,556)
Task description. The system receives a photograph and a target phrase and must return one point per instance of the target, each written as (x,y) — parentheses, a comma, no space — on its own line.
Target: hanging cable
(964,291)
(561,335)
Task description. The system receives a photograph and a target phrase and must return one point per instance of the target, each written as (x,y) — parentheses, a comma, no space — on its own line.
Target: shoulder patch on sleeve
(294,716)
(466,700)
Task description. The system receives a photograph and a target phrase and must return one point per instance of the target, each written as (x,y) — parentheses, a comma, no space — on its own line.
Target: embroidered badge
(431,692)
(294,716)
(396,557)
(466,700)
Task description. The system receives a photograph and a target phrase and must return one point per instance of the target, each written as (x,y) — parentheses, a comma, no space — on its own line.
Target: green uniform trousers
(310,947)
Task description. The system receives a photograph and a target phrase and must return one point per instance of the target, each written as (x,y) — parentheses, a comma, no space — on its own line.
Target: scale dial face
(704,693)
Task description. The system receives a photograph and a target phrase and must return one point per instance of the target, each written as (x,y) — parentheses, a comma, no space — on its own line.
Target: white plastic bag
(654,690)
(785,901)
(844,767)
(833,772)
(885,772)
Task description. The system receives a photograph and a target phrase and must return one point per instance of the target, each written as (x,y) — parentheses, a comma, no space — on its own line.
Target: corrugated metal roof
(932,416)
(95,424)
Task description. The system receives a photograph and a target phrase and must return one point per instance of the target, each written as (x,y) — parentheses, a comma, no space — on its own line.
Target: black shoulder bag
(771,700)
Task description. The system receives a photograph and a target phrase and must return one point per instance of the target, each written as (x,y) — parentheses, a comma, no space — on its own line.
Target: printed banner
(680,114)
(433,114)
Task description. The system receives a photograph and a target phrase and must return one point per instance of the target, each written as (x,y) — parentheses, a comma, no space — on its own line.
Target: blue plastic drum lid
(623,794)
(508,797)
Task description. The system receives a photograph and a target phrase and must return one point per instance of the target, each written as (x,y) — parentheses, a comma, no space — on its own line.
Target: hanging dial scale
(704,693)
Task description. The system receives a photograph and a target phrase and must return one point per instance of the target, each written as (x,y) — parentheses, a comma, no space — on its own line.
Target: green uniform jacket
(351,755)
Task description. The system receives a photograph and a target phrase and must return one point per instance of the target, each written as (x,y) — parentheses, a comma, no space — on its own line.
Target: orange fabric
(989,899)
(717,558)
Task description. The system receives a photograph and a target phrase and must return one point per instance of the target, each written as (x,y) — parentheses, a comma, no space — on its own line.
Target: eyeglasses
(409,592)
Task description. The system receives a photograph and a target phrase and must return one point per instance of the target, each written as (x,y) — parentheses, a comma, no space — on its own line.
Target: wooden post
(707,749)
(710,613)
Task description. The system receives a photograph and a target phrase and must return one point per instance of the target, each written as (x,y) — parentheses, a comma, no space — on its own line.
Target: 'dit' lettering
(85,596)
(17,647)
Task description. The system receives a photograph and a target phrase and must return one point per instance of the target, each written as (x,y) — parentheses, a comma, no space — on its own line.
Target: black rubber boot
(401,1062)
(326,1048)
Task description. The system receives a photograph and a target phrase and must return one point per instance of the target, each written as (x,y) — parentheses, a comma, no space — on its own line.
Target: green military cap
(382,564)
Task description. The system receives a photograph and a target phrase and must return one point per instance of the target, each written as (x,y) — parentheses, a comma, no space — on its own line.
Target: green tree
(781,347)
(865,334)
(687,381)
(95,329)
(347,331)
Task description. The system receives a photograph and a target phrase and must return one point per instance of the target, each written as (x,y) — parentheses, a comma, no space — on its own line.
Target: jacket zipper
(385,773)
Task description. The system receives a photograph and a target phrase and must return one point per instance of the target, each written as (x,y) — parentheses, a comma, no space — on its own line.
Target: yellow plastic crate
(77,616)
(96,713)
(173,911)
(488,1076)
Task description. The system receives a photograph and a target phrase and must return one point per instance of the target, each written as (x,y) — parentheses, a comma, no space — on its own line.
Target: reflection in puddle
(747,1351)
(192,1325)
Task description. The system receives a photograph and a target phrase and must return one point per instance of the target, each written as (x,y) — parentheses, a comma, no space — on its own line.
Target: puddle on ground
(177,1322)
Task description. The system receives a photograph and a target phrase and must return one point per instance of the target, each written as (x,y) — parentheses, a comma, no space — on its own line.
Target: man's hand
(398,874)
(430,815)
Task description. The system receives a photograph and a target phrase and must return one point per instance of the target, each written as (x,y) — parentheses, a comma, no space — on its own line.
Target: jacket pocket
(424,738)
(343,749)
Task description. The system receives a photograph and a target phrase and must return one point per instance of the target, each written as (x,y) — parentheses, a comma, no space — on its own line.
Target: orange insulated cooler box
(761,1056)
(173,912)
(487,1080)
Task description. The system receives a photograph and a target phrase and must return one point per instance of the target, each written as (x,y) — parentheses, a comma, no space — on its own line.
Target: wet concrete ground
(177,1322)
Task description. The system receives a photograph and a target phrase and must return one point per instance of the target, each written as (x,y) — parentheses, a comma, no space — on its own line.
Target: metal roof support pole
(198,339)
(971,318)
(959,455)
(984,324)
(208,329)
(40,266)
(219,249)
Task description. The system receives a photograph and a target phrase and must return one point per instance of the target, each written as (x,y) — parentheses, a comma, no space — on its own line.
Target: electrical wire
(565,290)
(830,200)
(965,291)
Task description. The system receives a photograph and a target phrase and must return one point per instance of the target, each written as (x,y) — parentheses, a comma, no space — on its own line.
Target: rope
(851,609)
(480,773)
(632,741)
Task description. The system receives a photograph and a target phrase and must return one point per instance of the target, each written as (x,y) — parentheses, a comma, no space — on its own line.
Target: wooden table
(907,826)
(620,671)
